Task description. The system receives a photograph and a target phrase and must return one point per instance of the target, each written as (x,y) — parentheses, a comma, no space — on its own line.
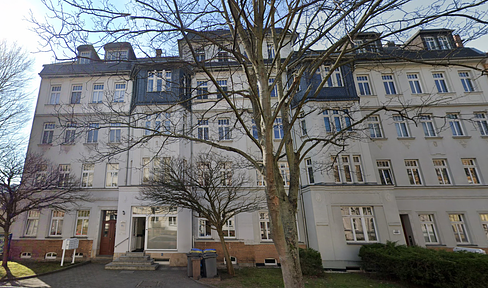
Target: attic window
(444,43)
(222,57)
(85,57)
(430,43)
(115,55)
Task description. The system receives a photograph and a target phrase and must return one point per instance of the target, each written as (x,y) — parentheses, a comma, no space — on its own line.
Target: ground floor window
(162,226)
(428,228)
(359,225)
(204,228)
(264,226)
(229,228)
(459,228)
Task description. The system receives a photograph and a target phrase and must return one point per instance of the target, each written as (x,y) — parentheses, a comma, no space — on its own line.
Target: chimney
(159,52)
(390,44)
(458,41)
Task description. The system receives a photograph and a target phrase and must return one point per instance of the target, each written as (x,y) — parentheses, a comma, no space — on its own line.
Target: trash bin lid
(209,251)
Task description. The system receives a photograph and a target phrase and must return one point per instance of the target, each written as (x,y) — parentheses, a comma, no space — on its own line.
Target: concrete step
(132,262)
(133,259)
(135,254)
(118,266)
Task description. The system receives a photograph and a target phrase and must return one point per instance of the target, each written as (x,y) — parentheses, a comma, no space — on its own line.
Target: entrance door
(107,239)
(407,229)
(138,234)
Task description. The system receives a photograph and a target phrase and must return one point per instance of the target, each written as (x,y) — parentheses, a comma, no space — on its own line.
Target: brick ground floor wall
(39,248)
(248,254)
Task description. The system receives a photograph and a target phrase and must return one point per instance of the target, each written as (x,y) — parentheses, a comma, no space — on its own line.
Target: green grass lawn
(259,277)
(22,269)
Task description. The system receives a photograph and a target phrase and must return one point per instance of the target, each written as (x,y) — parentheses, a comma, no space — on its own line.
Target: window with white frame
(346,168)
(440,82)
(459,228)
(41,175)
(167,80)
(223,85)
(303,125)
(200,54)
(335,169)
(47,133)
(444,43)
(56,227)
(146,169)
(97,96)
(76,94)
(255,133)
(356,159)
(309,166)
(167,123)
(55,94)
(471,171)
(119,93)
(114,133)
(117,55)
(172,221)
(154,81)
(414,82)
(363,85)
(285,172)
(204,228)
(335,78)
(84,57)
(260,179)
(430,43)
(274,91)
(87,175)
(481,123)
(359,44)
(264,226)
(374,126)
(64,179)
(467,81)
(336,120)
(51,256)
(147,125)
(442,171)
(271,51)
(226,174)
(92,133)
(455,123)
(70,133)
(224,129)
(32,223)
(385,171)
(222,56)
(112,178)
(278,129)
(413,172)
(82,217)
(202,90)
(359,224)
(428,228)
(401,126)
(229,228)
(202,129)
(389,84)
(428,125)
(484,223)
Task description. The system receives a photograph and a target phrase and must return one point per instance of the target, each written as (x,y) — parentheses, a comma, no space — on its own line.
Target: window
(389,84)
(202,90)
(401,126)
(148,131)
(32,223)
(55,94)
(430,43)
(112,175)
(285,172)
(224,129)
(226,174)
(357,168)
(359,225)
(154,81)
(255,133)
(203,129)
(359,44)
(264,226)
(222,57)
(386,174)
(471,171)
(119,94)
(47,134)
(428,228)
(337,173)
(97,93)
(455,124)
(459,228)
(467,81)
(51,256)
(76,94)
(85,57)
(374,126)
(363,85)
(114,133)
(87,175)
(92,134)
(440,82)
(309,165)
(271,51)
(26,255)
(346,168)
(442,171)
(428,125)
(278,129)
(82,217)
(274,91)
(70,135)
(200,55)
(64,179)
(56,223)
(117,55)
(484,223)
(335,79)
(223,86)
(303,125)
(41,175)
(336,120)
(146,169)
(229,228)
(480,119)
(172,221)
(204,228)
(167,124)
(260,179)
(413,172)
(168,80)
(444,42)
(414,82)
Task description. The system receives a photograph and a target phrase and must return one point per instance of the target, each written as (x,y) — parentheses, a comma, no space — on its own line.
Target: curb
(47,273)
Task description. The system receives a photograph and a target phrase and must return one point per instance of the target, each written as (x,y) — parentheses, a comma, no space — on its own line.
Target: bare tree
(212,186)
(271,81)
(31,184)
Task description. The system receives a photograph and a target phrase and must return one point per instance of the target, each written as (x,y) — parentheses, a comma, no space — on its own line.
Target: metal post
(74,255)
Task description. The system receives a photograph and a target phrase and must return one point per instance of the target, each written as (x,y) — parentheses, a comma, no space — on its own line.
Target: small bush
(421,266)
(311,262)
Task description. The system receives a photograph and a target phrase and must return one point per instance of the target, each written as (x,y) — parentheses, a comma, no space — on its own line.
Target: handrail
(121,242)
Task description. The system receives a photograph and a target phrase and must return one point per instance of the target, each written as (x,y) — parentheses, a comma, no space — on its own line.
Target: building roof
(68,69)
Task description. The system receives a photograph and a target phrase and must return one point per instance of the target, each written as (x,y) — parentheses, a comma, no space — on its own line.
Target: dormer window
(84,57)
(200,55)
(222,57)
(430,43)
(444,43)
(359,43)
(117,55)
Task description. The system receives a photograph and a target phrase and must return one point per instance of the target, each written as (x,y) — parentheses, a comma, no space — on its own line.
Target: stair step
(134,259)
(113,266)
(135,254)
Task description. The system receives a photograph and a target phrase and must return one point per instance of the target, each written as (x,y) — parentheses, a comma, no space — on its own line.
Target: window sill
(50,104)
(112,187)
(393,95)
(267,242)
(114,143)
(484,136)
(461,137)
(80,236)
(433,137)
(204,238)
(68,144)
(378,138)
(420,94)
(435,245)
(406,138)
(360,242)
(466,245)
(29,237)
(225,140)
(45,144)
(91,144)
(54,237)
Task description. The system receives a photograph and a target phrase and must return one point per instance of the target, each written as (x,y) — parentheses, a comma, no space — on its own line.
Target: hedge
(421,266)
(311,262)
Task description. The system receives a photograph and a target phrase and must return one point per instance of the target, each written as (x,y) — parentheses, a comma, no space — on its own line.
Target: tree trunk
(230,267)
(6,251)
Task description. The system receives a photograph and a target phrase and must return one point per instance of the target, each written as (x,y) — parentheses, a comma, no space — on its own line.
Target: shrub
(311,262)
(421,266)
